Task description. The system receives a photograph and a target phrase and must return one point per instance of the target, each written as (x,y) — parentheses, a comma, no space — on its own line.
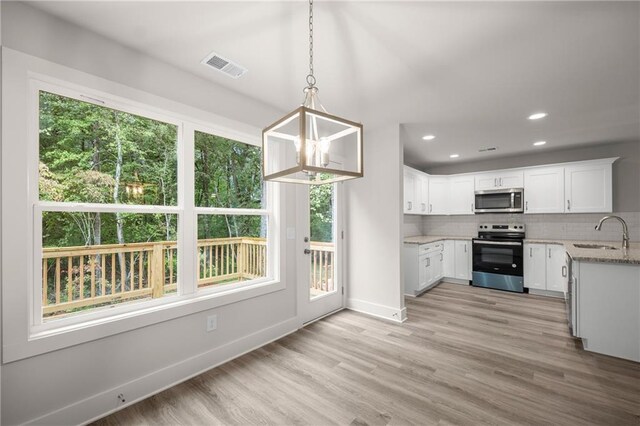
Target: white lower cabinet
(462,259)
(426,264)
(422,266)
(449,264)
(545,267)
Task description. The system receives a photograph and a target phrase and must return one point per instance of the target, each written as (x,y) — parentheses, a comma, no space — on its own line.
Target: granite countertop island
(630,256)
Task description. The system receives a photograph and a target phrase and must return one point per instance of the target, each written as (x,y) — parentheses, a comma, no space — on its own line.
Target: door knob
(307,251)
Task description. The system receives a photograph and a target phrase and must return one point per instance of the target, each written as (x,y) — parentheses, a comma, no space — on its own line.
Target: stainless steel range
(498,256)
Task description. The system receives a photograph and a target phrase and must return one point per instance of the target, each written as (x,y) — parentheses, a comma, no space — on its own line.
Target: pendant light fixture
(308,145)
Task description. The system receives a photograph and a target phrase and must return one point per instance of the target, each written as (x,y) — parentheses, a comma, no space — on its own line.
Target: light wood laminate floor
(465,356)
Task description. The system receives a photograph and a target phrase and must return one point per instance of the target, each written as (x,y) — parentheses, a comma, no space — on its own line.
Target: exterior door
(319,265)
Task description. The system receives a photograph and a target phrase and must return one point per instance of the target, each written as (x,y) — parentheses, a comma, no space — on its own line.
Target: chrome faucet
(625,230)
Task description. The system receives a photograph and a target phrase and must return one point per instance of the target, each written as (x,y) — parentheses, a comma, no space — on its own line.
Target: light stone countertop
(631,256)
(424,239)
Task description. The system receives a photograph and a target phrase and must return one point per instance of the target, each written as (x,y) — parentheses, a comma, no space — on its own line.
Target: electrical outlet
(212,322)
(121,399)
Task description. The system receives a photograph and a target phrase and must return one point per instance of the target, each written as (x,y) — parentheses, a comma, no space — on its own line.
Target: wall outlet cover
(212,322)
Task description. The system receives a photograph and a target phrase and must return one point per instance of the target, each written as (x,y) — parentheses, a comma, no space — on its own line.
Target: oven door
(498,257)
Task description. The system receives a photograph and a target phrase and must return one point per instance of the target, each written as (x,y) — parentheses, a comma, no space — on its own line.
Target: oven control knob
(513,265)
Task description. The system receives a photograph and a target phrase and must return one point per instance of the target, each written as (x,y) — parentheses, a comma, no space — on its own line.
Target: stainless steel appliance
(500,201)
(498,257)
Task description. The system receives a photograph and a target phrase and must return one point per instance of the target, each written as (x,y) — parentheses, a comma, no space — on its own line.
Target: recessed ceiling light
(540,143)
(538,116)
(428,137)
(454,156)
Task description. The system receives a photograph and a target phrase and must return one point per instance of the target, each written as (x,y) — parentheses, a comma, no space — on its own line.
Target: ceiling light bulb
(428,137)
(537,116)
(540,143)
(454,156)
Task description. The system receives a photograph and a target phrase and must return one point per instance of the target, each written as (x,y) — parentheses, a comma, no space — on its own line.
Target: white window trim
(45,337)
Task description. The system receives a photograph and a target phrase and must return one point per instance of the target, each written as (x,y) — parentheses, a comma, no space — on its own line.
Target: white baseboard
(378,311)
(104,403)
(548,293)
(455,281)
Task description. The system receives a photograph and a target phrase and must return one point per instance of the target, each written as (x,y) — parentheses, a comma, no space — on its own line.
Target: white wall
(374,224)
(73,385)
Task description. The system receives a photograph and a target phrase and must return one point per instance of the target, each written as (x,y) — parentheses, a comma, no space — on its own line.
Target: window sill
(41,342)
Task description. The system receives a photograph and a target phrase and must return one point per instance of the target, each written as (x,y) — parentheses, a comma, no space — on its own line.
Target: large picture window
(111,217)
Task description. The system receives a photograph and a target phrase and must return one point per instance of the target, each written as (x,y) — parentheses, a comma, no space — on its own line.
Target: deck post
(157,271)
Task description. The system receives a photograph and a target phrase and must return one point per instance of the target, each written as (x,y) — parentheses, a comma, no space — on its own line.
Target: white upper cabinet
(439,195)
(499,180)
(588,188)
(423,193)
(410,191)
(544,190)
(461,194)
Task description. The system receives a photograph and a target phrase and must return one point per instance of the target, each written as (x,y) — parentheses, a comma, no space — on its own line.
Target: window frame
(40,336)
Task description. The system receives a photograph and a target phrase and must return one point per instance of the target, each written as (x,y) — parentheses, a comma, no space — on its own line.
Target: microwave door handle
(513,200)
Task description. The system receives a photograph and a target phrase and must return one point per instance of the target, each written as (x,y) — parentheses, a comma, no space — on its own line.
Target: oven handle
(498,243)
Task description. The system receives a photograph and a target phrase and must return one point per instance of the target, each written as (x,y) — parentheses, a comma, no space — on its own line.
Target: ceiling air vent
(493,148)
(224,65)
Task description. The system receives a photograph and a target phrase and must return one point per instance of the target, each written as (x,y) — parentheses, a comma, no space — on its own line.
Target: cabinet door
(438,195)
(449,263)
(437,260)
(422,200)
(461,195)
(556,268)
(588,188)
(410,189)
(486,181)
(544,190)
(535,266)
(424,272)
(513,179)
(463,259)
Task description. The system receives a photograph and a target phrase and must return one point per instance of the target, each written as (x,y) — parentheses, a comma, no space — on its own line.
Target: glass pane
(95,260)
(227,173)
(322,221)
(231,249)
(93,154)
(493,201)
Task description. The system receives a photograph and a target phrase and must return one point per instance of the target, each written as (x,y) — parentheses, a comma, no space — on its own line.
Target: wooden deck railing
(75,278)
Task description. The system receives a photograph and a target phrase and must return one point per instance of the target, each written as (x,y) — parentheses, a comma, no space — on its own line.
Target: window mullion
(187,235)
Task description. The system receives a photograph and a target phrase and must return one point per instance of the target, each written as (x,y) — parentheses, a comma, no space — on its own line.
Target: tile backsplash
(557,226)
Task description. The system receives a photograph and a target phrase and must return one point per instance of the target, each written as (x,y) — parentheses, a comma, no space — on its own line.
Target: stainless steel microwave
(500,201)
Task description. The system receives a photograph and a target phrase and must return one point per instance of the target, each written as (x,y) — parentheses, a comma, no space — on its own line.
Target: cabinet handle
(549,253)
(495,182)
(568,204)
(465,248)
(526,206)
(564,271)
(430,208)
(428,261)
(530,251)
(410,204)
(471,207)
(500,181)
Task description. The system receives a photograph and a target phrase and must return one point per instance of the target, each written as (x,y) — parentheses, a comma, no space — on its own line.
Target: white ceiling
(470,73)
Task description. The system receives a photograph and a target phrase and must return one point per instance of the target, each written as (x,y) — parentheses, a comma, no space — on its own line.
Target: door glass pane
(322,257)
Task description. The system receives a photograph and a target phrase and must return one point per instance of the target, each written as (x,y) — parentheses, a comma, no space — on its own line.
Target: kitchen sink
(595,246)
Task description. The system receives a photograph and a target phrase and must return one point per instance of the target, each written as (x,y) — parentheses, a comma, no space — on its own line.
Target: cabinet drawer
(430,248)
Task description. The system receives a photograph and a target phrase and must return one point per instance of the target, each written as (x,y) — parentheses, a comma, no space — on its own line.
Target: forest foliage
(93,154)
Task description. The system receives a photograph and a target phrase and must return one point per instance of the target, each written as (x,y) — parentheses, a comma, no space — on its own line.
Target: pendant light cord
(311,80)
